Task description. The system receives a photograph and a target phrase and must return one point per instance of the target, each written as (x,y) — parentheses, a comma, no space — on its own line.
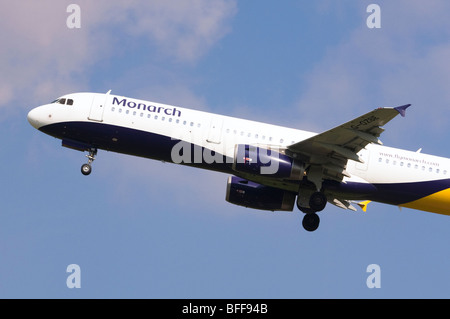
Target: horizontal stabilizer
(364,204)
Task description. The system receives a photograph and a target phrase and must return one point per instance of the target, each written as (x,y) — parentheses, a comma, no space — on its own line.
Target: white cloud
(184,30)
(42,58)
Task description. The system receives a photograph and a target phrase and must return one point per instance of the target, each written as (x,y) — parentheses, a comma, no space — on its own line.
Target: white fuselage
(218,134)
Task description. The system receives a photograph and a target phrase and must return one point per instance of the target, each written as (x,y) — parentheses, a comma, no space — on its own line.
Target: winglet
(363,205)
(402,109)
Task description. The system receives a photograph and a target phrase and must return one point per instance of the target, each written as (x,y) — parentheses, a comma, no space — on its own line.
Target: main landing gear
(310,221)
(317,202)
(86,169)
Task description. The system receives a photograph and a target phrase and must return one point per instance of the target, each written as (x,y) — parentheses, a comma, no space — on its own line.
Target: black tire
(317,201)
(86,169)
(311,222)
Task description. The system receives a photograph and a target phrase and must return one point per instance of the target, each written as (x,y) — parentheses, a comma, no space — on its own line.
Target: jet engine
(253,195)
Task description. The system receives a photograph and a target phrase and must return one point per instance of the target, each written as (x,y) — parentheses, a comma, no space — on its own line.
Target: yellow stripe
(436,203)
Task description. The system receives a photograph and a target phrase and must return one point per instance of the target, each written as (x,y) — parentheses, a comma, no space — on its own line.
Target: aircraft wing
(327,153)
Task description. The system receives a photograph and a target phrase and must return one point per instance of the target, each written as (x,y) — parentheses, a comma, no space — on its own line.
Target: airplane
(271,167)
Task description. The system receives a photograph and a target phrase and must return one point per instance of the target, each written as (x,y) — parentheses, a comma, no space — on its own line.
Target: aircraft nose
(34,118)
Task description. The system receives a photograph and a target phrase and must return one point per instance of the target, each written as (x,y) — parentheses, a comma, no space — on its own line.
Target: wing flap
(344,204)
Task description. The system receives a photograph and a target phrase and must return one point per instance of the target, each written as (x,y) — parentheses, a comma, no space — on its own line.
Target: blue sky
(144,229)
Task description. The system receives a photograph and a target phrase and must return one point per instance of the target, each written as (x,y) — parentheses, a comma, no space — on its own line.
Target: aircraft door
(215,130)
(97,107)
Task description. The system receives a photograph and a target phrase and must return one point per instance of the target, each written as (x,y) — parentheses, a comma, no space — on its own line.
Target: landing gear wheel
(86,169)
(318,201)
(311,222)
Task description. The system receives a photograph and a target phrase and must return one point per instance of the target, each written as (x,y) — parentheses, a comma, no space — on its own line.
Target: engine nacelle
(262,161)
(253,195)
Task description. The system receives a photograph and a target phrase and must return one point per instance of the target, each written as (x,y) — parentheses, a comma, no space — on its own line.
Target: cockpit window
(63,101)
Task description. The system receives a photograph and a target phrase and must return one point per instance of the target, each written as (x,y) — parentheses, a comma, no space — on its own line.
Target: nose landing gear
(86,169)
